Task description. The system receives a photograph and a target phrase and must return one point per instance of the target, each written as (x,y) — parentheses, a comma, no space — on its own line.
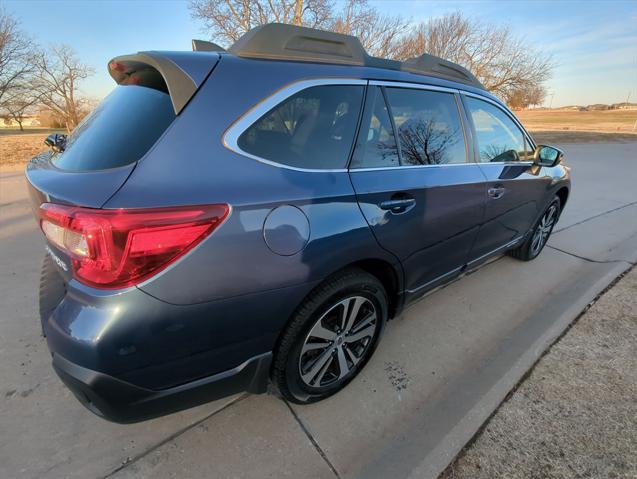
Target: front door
(422,199)
(514,187)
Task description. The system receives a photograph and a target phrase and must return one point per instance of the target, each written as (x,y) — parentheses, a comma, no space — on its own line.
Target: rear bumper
(122,402)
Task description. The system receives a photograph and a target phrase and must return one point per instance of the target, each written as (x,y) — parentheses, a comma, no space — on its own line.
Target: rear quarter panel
(192,166)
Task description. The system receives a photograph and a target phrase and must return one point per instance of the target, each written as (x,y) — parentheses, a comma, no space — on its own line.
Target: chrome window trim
(235,130)
(413,86)
(410,167)
(509,163)
(231,136)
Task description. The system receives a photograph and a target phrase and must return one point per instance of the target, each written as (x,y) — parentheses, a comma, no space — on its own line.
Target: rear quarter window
(119,131)
(312,129)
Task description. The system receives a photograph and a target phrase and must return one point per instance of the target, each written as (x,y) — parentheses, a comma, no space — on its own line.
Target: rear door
(515,187)
(415,187)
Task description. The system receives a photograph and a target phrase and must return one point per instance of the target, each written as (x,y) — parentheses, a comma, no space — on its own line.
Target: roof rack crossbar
(278,41)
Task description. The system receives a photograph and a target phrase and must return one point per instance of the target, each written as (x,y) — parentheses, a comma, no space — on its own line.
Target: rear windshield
(119,131)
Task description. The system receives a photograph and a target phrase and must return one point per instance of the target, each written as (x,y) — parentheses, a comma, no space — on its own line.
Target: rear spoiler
(180,74)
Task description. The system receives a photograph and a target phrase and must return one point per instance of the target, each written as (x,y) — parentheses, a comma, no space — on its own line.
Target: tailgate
(48,184)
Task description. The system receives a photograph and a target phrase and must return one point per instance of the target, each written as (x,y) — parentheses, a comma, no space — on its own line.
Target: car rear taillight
(119,248)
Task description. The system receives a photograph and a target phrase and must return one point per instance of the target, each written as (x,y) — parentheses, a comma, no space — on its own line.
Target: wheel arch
(389,275)
(562,194)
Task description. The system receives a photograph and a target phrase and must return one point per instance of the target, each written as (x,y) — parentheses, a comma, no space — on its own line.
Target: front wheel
(539,236)
(331,337)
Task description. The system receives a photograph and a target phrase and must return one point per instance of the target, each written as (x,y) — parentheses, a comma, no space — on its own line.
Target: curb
(465,430)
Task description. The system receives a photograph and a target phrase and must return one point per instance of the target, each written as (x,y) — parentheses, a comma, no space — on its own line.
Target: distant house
(624,106)
(572,108)
(598,107)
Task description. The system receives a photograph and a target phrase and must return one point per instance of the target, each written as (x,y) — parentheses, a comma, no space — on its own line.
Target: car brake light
(119,248)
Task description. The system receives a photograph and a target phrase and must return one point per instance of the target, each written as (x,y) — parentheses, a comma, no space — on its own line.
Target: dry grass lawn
(557,137)
(16,150)
(623,121)
(547,126)
(575,416)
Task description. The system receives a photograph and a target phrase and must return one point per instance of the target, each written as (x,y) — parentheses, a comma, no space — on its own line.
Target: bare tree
(58,75)
(500,60)
(22,102)
(381,35)
(227,20)
(535,95)
(526,97)
(16,59)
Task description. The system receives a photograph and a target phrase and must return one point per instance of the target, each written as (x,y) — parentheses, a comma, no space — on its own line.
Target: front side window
(312,129)
(499,138)
(428,126)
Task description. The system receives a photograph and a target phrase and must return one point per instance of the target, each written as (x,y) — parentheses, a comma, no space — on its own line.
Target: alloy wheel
(543,230)
(338,341)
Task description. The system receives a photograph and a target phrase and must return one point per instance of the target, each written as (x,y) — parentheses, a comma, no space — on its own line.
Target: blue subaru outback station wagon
(229,220)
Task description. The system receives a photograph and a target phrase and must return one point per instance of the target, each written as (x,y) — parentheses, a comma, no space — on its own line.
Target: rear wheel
(331,337)
(536,241)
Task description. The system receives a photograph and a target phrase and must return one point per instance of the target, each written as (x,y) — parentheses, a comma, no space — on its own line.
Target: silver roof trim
(418,86)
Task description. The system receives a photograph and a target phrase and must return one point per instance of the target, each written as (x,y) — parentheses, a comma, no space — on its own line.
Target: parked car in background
(225,220)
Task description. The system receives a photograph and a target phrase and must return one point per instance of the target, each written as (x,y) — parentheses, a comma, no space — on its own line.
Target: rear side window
(119,131)
(428,126)
(499,138)
(376,146)
(312,129)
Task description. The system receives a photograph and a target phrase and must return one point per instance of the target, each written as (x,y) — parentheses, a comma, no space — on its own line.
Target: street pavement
(441,369)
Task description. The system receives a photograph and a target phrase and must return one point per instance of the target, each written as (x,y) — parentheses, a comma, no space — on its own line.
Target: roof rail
(279,41)
(205,46)
(434,65)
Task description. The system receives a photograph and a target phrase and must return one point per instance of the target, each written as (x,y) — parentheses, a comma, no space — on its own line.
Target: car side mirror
(56,141)
(547,156)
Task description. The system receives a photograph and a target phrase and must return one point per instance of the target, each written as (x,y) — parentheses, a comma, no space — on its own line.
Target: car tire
(331,337)
(539,235)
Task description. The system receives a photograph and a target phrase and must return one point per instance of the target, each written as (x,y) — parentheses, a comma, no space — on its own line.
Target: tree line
(34,79)
(500,59)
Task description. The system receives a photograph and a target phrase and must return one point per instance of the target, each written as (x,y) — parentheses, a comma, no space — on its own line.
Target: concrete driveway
(439,372)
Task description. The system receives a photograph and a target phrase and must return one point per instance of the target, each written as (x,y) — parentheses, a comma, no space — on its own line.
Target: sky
(593,43)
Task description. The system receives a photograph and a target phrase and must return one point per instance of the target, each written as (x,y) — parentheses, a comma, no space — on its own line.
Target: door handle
(496,193)
(396,206)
